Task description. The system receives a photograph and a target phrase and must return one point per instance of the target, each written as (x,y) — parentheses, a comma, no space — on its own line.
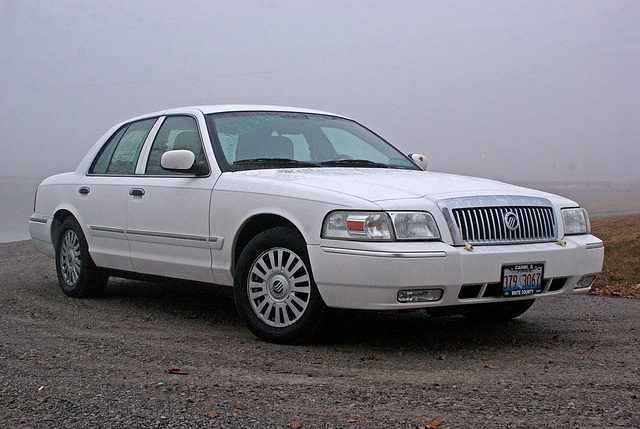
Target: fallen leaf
(434,423)
(579,352)
(176,371)
(296,425)
(370,357)
(213,414)
(352,421)
(194,400)
(492,367)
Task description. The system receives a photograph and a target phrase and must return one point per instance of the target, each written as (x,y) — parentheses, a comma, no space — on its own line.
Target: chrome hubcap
(70,264)
(279,287)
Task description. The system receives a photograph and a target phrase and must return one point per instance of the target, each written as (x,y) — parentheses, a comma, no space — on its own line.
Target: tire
(274,289)
(497,312)
(77,274)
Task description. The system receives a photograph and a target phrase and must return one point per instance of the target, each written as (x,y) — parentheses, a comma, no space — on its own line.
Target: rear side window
(120,154)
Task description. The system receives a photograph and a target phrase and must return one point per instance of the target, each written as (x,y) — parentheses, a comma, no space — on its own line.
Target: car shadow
(214,306)
(186,300)
(418,330)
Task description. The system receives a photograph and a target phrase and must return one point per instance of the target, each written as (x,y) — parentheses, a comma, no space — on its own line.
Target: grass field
(621,272)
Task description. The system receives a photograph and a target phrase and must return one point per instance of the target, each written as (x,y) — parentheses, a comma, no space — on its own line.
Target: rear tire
(496,312)
(77,274)
(274,289)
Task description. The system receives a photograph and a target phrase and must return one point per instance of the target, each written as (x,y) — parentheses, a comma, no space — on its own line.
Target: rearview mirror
(419,159)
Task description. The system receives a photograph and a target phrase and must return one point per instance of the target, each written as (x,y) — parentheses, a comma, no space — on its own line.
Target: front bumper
(369,276)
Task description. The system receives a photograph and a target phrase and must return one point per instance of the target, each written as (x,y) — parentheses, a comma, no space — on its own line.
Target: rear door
(101,198)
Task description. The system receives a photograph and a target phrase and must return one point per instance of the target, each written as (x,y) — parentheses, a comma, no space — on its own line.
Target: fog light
(585,281)
(420,295)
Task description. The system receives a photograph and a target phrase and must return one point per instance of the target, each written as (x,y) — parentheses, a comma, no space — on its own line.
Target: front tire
(274,289)
(77,274)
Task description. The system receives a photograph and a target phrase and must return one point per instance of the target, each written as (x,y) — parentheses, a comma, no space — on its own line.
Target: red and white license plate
(522,279)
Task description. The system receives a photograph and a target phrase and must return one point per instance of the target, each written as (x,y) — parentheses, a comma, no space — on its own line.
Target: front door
(168,212)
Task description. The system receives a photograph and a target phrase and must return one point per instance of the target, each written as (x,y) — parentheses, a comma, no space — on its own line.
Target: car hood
(379,185)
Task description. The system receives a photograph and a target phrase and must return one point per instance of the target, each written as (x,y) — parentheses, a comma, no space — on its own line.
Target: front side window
(176,132)
(120,154)
(250,140)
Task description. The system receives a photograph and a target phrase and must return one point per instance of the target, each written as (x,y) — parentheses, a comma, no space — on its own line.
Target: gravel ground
(177,356)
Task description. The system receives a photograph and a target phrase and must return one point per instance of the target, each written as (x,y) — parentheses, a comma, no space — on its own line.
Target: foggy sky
(539,90)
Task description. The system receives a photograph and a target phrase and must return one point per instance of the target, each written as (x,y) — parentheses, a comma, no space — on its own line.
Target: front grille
(487,225)
(499,220)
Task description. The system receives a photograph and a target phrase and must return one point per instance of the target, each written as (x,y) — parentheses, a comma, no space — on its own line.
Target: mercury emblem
(511,220)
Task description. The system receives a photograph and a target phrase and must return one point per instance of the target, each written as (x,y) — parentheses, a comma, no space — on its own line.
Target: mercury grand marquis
(300,211)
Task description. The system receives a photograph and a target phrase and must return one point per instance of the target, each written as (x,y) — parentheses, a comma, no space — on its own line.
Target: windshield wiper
(275,161)
(354,163)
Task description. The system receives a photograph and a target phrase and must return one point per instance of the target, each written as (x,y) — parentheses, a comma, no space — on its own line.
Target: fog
(539,91)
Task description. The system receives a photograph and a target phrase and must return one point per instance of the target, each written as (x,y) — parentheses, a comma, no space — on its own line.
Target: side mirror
(419,160)
(183,160)
(177,160)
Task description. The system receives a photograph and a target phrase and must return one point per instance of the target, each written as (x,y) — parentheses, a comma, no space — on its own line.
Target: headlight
(576,221)
(380,226)
(357,225)
(414,226)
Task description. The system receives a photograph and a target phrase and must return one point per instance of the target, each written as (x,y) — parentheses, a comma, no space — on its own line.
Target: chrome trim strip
(382,254)
(167,235)
(37,220)
(214,242)
(595,245)
(106,229)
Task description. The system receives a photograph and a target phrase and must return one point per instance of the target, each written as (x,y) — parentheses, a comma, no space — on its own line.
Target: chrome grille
(499,219)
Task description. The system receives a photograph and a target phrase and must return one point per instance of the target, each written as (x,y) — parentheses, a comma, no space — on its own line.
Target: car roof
(250,107)
(222,108)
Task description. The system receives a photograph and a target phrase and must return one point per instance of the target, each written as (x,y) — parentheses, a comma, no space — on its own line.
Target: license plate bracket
(522,279)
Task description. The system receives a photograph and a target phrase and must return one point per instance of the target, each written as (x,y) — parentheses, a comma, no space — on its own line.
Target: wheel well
(255,226)
(58,219)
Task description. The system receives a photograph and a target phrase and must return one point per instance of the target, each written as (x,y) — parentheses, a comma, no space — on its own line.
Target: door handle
(84,190)
(136,192)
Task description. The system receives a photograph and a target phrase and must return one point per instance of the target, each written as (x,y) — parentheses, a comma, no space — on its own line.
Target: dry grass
(621,272)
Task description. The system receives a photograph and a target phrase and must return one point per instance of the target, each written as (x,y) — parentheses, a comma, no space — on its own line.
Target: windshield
(251,140)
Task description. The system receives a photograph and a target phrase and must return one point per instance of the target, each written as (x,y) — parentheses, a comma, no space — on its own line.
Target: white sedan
(300,211)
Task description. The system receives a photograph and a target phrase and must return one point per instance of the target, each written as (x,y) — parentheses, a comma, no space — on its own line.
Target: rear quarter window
(120,154)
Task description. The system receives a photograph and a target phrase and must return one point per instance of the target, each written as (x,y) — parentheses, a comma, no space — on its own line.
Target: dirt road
(176,356)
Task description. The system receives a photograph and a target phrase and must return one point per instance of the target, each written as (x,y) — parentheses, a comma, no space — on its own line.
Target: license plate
(522,279)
